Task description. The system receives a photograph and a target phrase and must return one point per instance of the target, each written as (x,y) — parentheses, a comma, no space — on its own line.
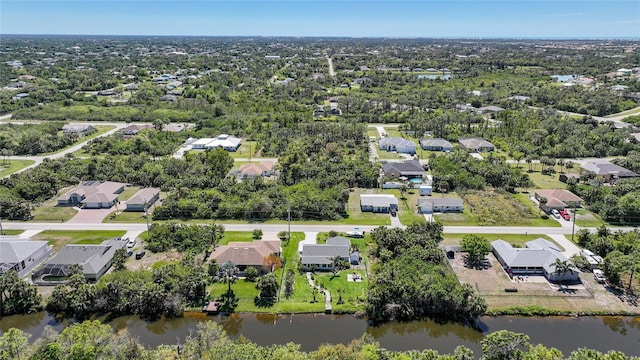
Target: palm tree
(227,273)
(562,267)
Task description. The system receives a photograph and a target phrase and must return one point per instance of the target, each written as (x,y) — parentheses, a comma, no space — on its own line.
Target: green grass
(629,112)
(587,218)
(517,239)
(59,238)
(125,217)
(12,232)
(546,181)
(128,193)
(386,155)
(247,149)
(230,236)
(13,166)
(49,212)
(357,217)
(408,207)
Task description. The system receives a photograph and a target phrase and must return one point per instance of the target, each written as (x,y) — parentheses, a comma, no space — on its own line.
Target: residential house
(537,258)
(592,259)
(443,205)
(557,199)
(320,256)
(476,144)
(133,130)
(19,96)
(410,169)
(143,199)
(224,141)
(250,171)
(489,109)
(436,144)
(94,260)
(22,255)
(245,254)
(397,144)
(607,170)
(519,98)
(93,195)
(378,203)
(77,129)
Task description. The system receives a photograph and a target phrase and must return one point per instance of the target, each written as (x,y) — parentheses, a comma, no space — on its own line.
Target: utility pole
(289,220)
(1,229)
(573,229)
(146,215)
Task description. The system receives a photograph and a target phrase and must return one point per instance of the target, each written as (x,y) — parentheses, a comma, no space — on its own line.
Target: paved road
(616,120)
(296,227)
(331,72)
(38,159)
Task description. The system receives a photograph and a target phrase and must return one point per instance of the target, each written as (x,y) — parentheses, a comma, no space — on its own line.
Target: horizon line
(475,37)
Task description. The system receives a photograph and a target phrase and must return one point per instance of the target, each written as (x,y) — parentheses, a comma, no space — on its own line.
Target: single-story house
(321,256)
(425,190)
(593,259)
(19,96)
(489,109)
(476,144)
(245,254)
(22,255)
(519,98)
(77,128)
(93,195)
(436,144)
(537,258)
(133,130)
(378,203)
(224,141)
(143,199)
(250,171)
(557,199)
(607,170)
(397,144)
(94,260)
(433,205)
(410,169)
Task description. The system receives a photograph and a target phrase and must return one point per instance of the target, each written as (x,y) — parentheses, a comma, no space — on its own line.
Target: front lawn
(12,232)
(49,212)
(125,217)
(10,167)
(357,217)
(586,218)
(59,238)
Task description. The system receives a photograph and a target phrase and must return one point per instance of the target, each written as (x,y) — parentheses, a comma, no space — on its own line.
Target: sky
(345,18)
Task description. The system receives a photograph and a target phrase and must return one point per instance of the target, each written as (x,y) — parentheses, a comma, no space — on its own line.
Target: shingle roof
(323,253)
(92,258)
(406,167)
(475,143)
(378,200)
(441,202)
(396,141)
(604,167)
(435,143)
(143,196)
(246,253)
(538,253)
(558,196)
(15,251)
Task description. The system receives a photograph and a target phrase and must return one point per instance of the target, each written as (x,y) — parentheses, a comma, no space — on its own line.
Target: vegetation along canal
(564,333)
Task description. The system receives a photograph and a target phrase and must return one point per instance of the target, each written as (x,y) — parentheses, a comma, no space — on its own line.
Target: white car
(599,276)
(555,213)
(131,243)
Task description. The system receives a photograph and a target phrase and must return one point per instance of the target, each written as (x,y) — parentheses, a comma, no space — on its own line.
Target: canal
(564,333)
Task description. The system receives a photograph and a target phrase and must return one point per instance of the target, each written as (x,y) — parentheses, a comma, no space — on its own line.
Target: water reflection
(231,323)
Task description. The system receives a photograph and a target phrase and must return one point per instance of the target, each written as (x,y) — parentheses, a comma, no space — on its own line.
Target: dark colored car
(140,254)
(393,212)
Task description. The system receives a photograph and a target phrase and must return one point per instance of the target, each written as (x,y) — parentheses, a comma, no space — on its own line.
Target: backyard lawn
(12,166)
(59,238)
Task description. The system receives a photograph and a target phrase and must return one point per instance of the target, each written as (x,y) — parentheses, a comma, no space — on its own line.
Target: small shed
(425,190)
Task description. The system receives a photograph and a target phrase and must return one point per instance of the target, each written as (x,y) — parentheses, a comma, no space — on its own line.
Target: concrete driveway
(88,216)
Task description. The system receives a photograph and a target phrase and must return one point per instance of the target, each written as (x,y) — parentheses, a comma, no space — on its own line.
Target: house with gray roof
(78,129)
(609,171)
(410,169)
(537,258)
(436,144)
(22,255)
(443,205)
(320,256)
(93,195)
(94,260)
(476,144)
(143,199)
(378,203)
(399,145)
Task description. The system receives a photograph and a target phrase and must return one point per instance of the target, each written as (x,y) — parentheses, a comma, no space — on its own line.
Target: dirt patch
(151,258)
(587,296)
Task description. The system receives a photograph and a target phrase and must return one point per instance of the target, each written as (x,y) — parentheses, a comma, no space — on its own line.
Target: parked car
(393,212)
(129,252)
(565,214)
(555,213)
(131,243)
(140,254)
(599,276)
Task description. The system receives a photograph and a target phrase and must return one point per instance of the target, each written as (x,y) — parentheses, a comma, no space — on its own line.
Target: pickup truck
(565,214)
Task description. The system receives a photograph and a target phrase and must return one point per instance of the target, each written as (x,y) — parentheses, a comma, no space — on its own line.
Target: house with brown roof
(557,199)
(245,254)
(143,199)
(133,130)
(250,171)
(476,144)
(93,195)
(81,129)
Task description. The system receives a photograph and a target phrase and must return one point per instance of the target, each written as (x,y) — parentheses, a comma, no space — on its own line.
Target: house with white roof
(397,144)
(537,258)
(380,203)
(93,195)
(224,141)
(22,255)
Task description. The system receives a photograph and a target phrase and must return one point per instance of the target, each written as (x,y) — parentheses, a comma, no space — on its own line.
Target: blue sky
(355,18)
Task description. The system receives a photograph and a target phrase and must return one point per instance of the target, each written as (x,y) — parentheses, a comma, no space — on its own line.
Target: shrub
(251,273)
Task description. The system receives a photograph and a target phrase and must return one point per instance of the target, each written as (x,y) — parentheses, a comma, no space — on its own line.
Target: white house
(425,190)
(399,145)
(432,205)
(321,256)
(22,255)
(380,203)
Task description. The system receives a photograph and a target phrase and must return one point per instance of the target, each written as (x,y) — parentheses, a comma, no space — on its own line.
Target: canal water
(564,333)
